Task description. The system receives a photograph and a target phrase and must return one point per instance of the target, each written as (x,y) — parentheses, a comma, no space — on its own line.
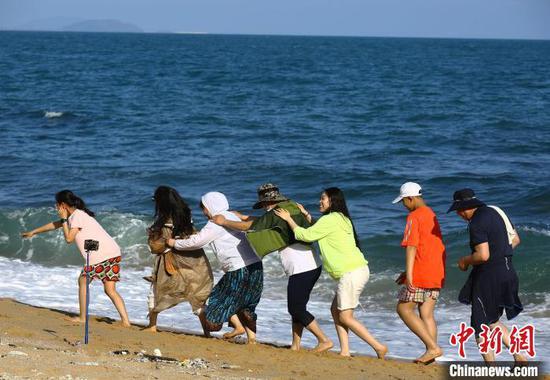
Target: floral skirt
(108,270)
(237,291)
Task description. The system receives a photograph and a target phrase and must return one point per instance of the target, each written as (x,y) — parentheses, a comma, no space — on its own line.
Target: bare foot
(429,356)
(251,341)
(381,353)
(233,334)
(345,354)
(76,320)
(152,329)
(323,346)
(519,358)
(294,347)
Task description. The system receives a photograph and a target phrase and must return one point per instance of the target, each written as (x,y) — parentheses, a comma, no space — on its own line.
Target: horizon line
(281,35)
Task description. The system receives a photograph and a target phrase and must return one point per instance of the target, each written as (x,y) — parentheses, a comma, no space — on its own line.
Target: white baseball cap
(408,189)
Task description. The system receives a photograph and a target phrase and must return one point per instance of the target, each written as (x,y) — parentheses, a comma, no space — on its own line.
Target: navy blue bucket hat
(465,199)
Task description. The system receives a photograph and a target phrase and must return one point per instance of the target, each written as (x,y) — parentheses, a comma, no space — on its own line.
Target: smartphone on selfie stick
(89,246)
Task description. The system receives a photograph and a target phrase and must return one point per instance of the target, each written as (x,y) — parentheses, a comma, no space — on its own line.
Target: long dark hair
(68,197)
(170,206)
(338,204)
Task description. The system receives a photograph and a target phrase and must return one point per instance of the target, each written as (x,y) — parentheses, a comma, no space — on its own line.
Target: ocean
(112,116)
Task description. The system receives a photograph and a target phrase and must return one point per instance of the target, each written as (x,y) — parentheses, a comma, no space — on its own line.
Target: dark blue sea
(112,116)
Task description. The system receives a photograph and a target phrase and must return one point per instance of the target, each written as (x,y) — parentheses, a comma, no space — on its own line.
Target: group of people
(182,271)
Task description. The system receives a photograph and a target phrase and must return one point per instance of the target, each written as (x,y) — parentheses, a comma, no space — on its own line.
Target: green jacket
(271,233)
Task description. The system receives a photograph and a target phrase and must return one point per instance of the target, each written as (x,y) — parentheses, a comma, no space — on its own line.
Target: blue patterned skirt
(237,292)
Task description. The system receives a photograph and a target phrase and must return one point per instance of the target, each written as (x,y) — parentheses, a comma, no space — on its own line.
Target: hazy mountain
(102,26)
(76,25)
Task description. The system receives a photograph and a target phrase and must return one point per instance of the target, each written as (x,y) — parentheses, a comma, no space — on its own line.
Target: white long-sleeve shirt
(231,247)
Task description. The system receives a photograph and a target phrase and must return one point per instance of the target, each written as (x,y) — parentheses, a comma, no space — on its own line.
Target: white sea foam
(536,231)
(52,114)
(55,287)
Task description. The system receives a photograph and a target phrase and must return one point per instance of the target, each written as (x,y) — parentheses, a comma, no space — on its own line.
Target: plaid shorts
(108,270)
(419,295)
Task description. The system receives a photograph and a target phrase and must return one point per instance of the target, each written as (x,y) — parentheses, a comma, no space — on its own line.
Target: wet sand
(40,343)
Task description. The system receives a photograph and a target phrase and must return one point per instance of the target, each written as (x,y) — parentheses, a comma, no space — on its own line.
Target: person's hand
(302,209)
(463,264)
(283,214)
(401,279)
(27,235)
(62,212)
(409,281)
(170,242)
(219,220)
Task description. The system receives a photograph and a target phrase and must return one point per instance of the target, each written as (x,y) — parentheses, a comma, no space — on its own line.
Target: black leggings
(298,291)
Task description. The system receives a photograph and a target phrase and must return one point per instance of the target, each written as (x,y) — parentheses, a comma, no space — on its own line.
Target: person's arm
(305,213)
(285,215)
(411,240)
(244,218)
(516,240)
(207,235)
(45,228)
(480,255)
(68,233)
(316,232)
(410,254)
(220,220)
(479,239)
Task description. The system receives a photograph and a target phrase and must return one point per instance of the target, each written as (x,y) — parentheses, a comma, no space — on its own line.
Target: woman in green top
(343,260)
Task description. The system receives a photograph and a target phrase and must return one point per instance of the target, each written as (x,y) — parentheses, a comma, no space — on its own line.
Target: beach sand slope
(40,343)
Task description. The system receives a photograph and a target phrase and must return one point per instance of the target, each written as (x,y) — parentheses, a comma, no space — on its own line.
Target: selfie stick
(87,295)
(89,245)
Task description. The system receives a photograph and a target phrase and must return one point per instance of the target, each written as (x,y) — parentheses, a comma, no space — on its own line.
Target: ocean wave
(382,251)
(52,114)
(127,229)
(535,230)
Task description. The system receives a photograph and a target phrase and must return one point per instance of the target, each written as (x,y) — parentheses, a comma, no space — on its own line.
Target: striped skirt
(237,292)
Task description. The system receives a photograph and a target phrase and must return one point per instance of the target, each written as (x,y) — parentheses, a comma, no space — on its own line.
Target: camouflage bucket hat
(268,192)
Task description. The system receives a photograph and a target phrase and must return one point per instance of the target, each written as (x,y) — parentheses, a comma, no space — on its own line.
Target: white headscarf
(215,202)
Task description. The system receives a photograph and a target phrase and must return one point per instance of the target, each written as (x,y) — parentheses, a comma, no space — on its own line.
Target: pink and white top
(91,229)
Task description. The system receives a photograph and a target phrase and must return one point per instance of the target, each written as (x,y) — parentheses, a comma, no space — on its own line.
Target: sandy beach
(40,343)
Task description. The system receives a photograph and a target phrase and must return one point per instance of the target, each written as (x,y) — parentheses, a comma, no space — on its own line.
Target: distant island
(61,24)
(102,26)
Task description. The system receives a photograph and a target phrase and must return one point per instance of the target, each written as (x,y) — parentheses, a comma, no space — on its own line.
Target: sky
(396,18)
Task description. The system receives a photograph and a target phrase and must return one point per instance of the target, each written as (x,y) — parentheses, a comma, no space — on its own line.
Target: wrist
(63,220)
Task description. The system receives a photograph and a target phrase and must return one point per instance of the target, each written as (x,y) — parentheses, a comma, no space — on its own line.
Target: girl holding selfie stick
(78,224)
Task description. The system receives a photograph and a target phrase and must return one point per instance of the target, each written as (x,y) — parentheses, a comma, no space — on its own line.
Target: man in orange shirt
(425,270)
